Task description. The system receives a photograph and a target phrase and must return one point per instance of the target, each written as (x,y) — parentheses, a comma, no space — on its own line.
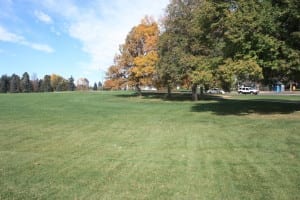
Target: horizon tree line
(49,83)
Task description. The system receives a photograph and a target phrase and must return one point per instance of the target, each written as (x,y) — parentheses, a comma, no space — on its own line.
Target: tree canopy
(211,43)
(135,64)
(221,42)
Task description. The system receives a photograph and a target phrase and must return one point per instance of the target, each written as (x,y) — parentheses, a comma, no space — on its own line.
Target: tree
(111,84)
(46,84)
(117,74)
(40,85)
(287,14)
(14,84)
(264,31)
(26,85)
(56,82)
(62,85)
(71,85)
(242,71)
(142,45)
(4,84)
(100,85)
(201,39)
(143,71)
(35,83)
(171,44)
(168,68)
(95,88)
(186,50)
(135,65)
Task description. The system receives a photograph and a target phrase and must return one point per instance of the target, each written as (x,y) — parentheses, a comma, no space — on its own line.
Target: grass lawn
(113,145)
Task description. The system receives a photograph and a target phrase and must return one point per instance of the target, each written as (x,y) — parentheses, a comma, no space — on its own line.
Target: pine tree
(14,84)
(71,85)
(100,85)
(95,88)
(46,84)
(26,85)
(4,84)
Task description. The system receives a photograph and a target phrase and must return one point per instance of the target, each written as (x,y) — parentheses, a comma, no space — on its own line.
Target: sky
(76,38)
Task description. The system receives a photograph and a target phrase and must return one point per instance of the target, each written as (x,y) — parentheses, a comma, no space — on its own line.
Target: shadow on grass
(245,107)
(178,96)
(221,106)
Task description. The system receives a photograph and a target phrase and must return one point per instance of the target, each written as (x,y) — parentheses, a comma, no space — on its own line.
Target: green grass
(112,145)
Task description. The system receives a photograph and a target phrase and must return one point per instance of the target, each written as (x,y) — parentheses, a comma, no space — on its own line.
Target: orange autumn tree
(116,76)
(135,66)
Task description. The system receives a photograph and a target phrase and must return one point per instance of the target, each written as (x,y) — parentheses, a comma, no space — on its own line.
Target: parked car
(248,90)
(215,91)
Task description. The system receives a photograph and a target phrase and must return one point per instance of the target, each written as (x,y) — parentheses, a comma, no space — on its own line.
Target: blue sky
(68,37)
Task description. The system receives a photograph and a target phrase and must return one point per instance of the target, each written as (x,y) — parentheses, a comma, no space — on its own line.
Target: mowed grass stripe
(114,145)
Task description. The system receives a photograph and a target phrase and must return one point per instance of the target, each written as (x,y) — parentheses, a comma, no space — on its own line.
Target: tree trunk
(138,89)
(201,90)
(194,92)
(169,91)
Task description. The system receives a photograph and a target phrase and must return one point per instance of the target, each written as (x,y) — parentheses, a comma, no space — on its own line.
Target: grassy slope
(115,146)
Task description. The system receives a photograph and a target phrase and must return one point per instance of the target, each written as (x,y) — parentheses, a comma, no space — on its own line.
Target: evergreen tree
(14,84)
(40,85)
(46,84)
(4,84)
(95,88)
(26,85)
(71,85)
(99,85)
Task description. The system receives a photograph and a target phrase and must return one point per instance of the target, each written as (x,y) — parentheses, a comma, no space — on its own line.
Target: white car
(215,91)
(248,90)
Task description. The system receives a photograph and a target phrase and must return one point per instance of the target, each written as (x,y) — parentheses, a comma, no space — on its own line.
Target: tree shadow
(219,105)
(246,107)
(175,96)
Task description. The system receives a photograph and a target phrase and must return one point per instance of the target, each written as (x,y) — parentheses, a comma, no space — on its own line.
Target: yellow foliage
(202,76)
(147,32)
(55,80)
(138,56)
(144,67)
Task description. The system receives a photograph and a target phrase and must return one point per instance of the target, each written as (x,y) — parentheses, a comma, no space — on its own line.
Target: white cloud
(101,26)
(7,36)
(99,40)
(43,17)
(38,47)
